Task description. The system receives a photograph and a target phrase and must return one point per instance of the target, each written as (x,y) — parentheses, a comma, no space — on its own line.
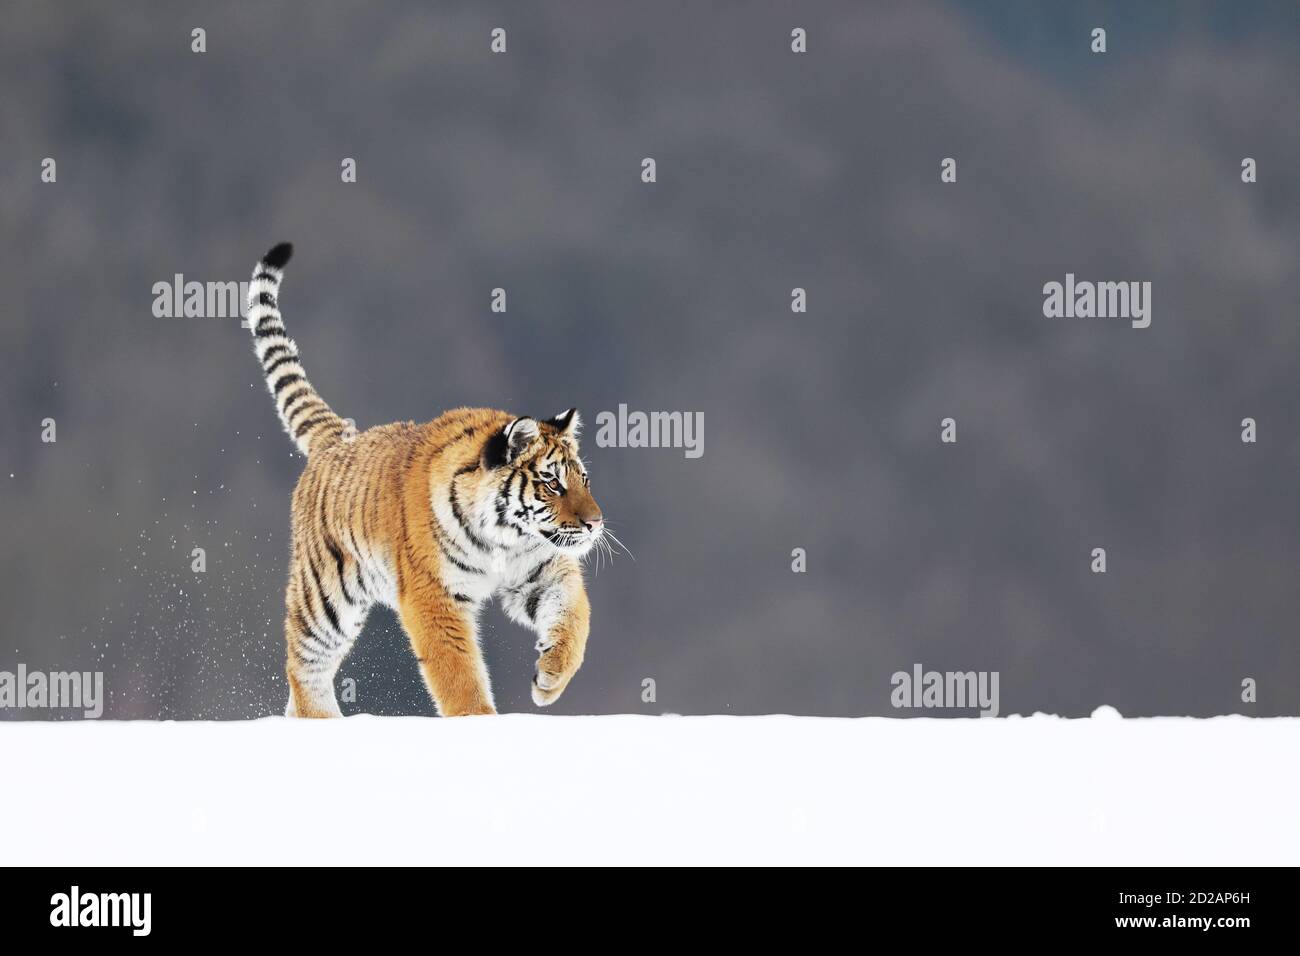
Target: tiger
(432,521)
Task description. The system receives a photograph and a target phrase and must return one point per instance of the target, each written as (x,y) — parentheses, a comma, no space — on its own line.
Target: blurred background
(775,170)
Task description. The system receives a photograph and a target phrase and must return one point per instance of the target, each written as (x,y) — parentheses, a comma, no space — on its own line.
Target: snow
(524,788)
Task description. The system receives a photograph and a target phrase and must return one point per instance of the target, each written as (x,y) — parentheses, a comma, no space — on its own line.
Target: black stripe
(310,607)
(284,381)
(474,539)
(312,660)
(267,276)
(322,649)
(262,333)
(537,571)
(463,598)
(442,537)
(307,629)
(313,403)
(363,581)
(464,567)
(308,424)
(325,598)
(287,401)
(282,360)
(503,500)
(363,575)
(530,606)
(337,555)
(276,350)
(302,658)
(363,561)
(328,541)
(266,299)
(503,503)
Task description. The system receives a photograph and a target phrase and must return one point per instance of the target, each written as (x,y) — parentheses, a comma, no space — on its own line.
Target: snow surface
(523,788)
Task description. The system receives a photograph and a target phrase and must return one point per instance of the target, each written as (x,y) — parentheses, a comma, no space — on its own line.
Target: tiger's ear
(568,422)
(519,435)
(509,443)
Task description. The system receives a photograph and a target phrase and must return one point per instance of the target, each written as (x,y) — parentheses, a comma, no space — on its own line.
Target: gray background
(821,430)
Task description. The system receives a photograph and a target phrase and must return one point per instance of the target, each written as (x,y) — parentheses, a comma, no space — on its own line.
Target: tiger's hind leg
(319,632)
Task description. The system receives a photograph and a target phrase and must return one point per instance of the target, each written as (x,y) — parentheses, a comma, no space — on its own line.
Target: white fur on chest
(501,570)
(506,561)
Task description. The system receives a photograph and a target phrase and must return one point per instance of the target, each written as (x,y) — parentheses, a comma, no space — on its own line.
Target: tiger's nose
(593,524)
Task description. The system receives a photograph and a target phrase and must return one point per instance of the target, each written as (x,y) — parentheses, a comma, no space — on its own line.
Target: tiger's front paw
(555,668)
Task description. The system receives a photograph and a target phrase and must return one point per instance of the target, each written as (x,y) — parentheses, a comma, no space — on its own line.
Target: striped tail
(309,421)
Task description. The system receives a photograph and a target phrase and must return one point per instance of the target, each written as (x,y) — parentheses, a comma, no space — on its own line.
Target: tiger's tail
(308,419)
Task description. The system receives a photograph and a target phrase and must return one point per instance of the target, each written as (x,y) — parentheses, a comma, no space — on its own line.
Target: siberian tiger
(431,520)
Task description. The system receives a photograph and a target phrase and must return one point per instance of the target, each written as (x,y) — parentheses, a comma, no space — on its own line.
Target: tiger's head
(543,488)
